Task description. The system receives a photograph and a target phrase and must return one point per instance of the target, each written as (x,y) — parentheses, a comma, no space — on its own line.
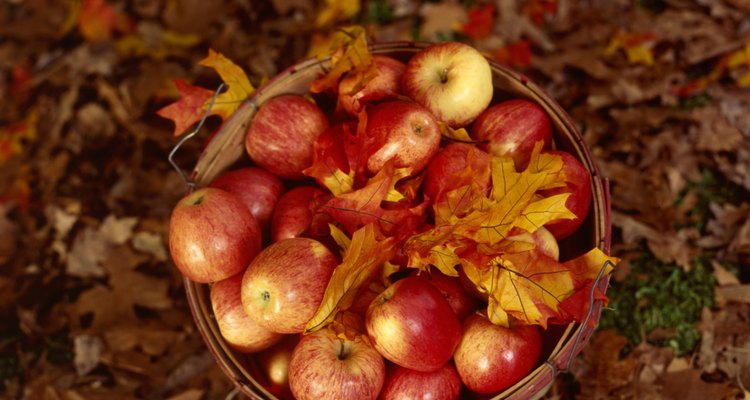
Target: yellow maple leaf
(362,261)
(234,77)
(349,55)
(457,135)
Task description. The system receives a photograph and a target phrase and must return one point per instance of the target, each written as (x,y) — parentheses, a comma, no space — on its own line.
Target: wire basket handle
(188,182)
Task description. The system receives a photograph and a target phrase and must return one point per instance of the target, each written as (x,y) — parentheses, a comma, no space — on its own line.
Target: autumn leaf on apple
(189,109)
(514,202)
(457,135)
(528,286)
(349,55)
(364,206)
(330,165)
(362,261)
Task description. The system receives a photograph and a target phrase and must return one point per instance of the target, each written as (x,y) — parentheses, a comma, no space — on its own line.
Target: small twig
(189,183)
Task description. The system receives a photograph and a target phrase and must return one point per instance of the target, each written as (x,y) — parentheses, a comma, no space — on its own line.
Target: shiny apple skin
(324,366)
(385,85)
(239,330)
(405,132)
(284,285)
(461,301)
(292,214)
(453,80)
(281,135)
(492,358)
(512,128)
(406,384)
(411,324)
(443,173)
(256,187)
(578,184)
(212,235)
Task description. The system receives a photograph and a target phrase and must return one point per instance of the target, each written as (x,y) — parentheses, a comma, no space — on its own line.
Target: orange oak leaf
(361,263)
(481,22)
(234,77)
(349,55)
(189,109)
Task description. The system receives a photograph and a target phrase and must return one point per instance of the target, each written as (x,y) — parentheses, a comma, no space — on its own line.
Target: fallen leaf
(117,230)
(362,261)
(86,352)
(88,252)
(13,136)
(481,21)
(688,385)
(150,243)
(441,18)
(600,369)
(638,47)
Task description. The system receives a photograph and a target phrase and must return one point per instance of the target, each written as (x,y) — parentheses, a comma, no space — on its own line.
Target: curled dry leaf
(362,261)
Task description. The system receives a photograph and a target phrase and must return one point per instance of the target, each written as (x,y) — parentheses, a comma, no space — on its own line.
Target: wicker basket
(227,148)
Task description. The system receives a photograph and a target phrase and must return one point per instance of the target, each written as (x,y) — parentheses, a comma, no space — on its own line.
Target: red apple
(406,384)
(456,165)
(492,358)
(411,324)
(578,184)
(452,80)
(324,366)
(511,128)
(385,85)
(274,365)
(460,300)
(236,327)
(212,235)
(281,135)
(284,285)
(405,132)
(256,187)
(292,214)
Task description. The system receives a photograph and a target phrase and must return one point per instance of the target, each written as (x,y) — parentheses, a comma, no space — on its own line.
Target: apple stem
(444,75)
(342,350)
(266,295)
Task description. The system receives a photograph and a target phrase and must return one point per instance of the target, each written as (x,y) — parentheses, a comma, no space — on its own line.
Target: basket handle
(189,183)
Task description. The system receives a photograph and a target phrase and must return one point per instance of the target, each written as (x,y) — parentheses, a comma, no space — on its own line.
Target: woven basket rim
(210,163)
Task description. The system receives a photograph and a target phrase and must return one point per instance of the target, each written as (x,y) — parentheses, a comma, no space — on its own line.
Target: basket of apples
(400,220)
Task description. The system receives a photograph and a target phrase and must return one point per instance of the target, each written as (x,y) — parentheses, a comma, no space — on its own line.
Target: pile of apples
(252,234)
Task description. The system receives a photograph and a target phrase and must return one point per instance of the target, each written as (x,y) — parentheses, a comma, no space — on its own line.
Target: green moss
(379,12)
(660,296)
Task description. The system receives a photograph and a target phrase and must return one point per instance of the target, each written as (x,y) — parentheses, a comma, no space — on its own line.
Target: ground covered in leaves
(91,306)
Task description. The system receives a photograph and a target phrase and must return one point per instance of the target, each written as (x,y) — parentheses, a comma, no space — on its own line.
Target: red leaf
(330,161)
(481,22)
(189,109)
(514,55)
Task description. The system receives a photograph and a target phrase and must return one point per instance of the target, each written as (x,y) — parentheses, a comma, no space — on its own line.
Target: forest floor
(91,306)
